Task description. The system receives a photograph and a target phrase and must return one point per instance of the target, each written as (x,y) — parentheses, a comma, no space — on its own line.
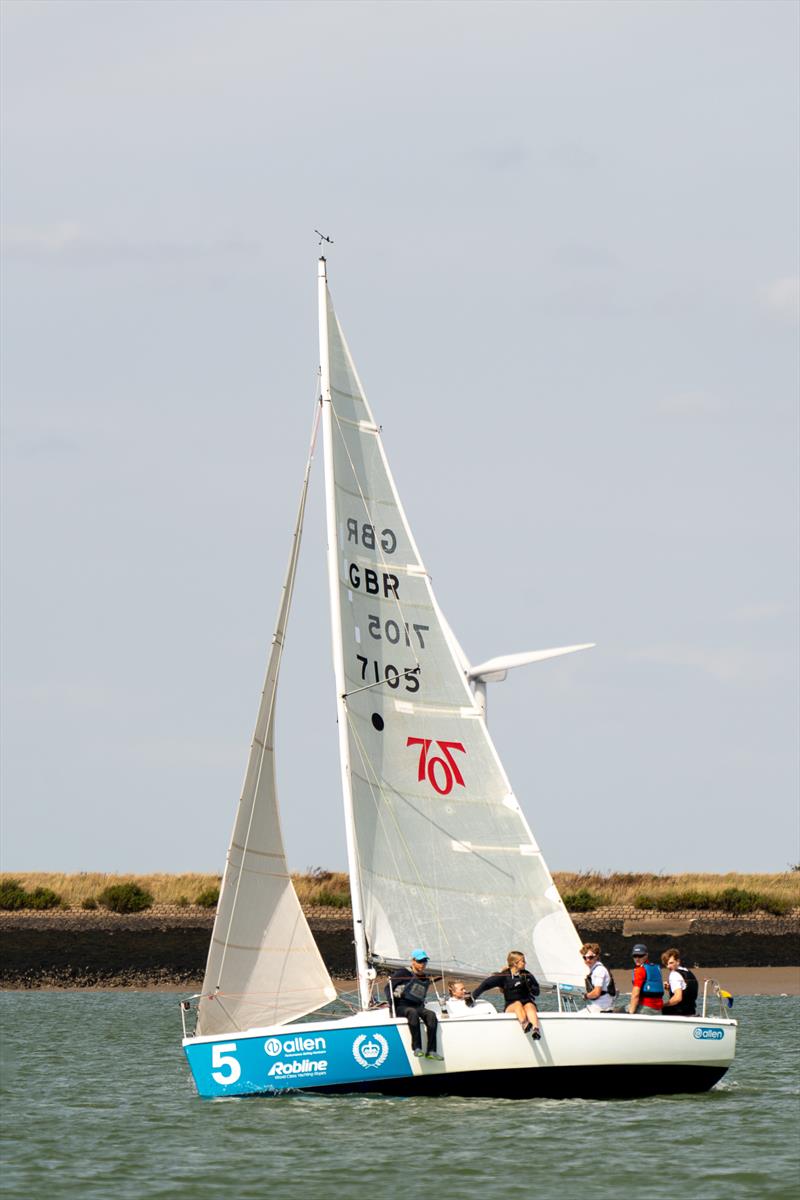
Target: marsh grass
(619,889)
(74,890)
(331,888)
(324,888)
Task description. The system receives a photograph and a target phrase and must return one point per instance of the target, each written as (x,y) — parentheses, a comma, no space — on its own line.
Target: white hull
(579,1054)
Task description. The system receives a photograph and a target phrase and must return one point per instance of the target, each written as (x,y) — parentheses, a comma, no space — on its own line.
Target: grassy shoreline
(331,888)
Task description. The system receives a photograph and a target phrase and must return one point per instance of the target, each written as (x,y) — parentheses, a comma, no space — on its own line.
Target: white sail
(263,966)
(445,857)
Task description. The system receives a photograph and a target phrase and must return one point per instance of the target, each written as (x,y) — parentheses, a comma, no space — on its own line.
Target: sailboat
(440,853)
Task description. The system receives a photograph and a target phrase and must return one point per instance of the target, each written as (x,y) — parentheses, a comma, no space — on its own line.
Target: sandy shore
(755,981)
(740,981)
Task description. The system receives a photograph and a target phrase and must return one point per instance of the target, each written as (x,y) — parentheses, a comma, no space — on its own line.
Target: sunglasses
(589,957)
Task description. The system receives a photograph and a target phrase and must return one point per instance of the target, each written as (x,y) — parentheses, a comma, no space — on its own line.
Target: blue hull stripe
(245,1065)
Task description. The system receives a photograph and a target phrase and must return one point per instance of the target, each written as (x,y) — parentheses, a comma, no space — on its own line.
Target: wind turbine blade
(506,662)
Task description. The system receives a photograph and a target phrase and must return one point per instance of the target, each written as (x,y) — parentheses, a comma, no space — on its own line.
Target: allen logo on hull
(295,1045)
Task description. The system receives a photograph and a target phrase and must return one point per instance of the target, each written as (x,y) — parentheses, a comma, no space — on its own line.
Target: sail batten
(445,857)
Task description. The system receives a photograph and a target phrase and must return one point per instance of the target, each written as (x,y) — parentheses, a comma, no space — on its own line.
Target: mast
(359,938)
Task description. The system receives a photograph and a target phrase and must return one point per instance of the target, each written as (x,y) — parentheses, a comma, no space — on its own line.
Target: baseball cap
(419,955)
(639,948)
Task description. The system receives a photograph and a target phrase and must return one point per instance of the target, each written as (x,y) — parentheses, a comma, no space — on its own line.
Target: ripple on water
(98,1103)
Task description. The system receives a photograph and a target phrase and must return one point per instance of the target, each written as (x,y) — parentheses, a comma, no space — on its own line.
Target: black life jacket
(688,1004)
(415,991)
(611,990)
(411,990)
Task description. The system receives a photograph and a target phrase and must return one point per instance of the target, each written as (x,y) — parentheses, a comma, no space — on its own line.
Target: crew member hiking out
(406,990)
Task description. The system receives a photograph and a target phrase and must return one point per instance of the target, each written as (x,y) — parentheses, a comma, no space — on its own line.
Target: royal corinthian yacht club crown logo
(370,1050)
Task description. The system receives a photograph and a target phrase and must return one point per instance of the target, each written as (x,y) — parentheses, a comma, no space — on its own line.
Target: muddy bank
(167,947)
(164,947)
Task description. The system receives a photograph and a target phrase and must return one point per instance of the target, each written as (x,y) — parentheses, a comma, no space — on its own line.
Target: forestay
(263,967)
(446,859)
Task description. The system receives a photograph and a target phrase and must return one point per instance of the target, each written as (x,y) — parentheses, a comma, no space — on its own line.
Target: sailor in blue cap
(407,989)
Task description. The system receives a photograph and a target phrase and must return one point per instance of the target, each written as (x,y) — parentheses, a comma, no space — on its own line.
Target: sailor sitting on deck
(682,984)
(600,986)
(520,989)
(408,989)
(459,1001)
(647,994)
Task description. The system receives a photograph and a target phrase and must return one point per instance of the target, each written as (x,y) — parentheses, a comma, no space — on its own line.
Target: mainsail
(263,966)
(444,855)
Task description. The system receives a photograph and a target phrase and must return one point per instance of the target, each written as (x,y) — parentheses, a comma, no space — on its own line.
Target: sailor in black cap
(647,995)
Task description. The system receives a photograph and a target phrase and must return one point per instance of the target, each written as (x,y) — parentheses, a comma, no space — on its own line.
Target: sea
(97,1102)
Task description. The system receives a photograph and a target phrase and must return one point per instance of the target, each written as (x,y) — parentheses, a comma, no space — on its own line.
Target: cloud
(187,753)
(572,156)
(692,403)
(753,613)
(503,156)
(68,241)
(583,256)
(47,445)
(78,696)
(28,240)
(726,664)
(781,298)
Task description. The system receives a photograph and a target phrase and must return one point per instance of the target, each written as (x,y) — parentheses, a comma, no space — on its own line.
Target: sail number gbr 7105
(388,673)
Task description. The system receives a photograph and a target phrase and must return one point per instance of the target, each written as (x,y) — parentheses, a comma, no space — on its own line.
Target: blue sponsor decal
(708,1033)
(243,1065)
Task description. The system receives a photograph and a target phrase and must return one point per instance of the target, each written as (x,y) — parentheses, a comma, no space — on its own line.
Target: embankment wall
(167,946)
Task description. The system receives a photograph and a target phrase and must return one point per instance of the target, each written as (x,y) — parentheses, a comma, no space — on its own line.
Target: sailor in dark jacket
(407,989)
(520,989)
(682,986)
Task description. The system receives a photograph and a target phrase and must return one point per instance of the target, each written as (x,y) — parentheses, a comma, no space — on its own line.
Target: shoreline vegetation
(92,930)
(582,892)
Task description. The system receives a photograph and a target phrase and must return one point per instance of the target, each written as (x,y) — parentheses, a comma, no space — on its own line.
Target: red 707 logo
(447,765)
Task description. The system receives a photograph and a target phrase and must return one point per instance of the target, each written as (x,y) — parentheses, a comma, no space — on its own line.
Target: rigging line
(375,786)
(387,679)
(372,520)
(446,632)
(383,784)
(424,885)
(372,786)
(469,849)
(299,917)
(224,1009)
(414,920)
(434,908)
(278,641)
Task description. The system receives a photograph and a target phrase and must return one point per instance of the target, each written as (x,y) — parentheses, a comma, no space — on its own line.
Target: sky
(566,262)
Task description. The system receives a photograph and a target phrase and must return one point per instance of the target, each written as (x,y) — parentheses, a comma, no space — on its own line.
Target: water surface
(97,1104)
